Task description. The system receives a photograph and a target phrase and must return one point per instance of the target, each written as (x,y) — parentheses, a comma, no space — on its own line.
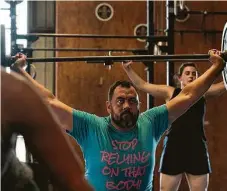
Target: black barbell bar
(138,58)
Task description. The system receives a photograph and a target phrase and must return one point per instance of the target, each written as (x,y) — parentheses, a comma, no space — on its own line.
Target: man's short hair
(122,83)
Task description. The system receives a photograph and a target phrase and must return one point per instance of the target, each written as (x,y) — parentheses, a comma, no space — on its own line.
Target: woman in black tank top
(185,149)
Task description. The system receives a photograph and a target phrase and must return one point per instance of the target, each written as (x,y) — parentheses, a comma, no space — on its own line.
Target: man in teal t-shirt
(116,159)
(119,150)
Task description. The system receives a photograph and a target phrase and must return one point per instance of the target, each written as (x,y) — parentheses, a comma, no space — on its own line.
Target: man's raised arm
(193,91)
(63,111)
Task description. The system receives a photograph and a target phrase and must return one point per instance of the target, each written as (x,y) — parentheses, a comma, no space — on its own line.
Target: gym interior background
(84,86)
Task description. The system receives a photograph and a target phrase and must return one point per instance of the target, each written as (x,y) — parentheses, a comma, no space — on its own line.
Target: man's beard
(126,119)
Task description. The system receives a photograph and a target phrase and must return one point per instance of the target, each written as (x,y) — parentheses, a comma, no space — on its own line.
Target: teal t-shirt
(117,160)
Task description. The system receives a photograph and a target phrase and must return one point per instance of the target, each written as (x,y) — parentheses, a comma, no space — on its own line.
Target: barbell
(109,60)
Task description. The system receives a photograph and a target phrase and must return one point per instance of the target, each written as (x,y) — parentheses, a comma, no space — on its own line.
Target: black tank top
(189,126)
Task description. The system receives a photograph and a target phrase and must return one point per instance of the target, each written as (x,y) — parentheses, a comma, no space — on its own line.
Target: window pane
(22,22)
(3,4)
(22,43)
(5,18)
(20,149)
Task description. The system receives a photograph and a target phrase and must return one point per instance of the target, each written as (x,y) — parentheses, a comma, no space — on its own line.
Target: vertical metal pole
(150,48)
(13,27)
(170,17)
(54,64)
(3,46)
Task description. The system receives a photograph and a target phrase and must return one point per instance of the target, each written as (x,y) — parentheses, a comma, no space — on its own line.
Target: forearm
(158,91)
(219,88)
(135,78)
(41,88)
(216,90)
